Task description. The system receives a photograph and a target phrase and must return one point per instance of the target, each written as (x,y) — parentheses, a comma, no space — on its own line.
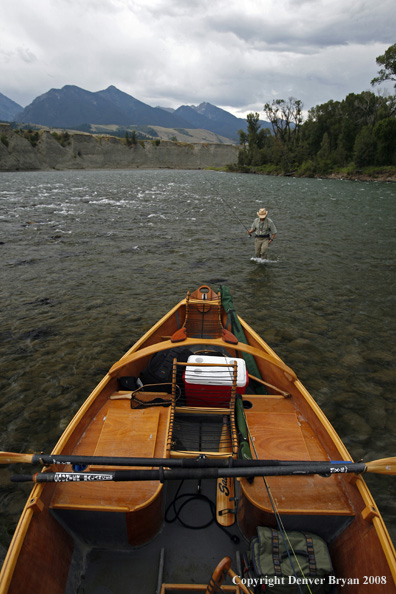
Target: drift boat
(199,463)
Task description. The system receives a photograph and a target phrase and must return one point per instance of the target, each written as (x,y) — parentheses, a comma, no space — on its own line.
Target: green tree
(324,152)
(362,128)
(254,142)
(385,135)
(388,61)
(285,117)
(323,119)
(130,139)
(365,148)
(243,138)
(253,127)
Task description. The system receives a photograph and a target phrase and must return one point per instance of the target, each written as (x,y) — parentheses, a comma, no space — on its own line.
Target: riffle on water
(91,260)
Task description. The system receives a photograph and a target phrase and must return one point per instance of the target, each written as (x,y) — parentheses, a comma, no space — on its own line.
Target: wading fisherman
(265,232)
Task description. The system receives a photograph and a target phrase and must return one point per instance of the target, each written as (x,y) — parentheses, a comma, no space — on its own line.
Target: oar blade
(382,466)
(15,458)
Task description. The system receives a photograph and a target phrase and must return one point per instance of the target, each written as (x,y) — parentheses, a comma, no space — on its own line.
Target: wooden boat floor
(280,432)
(117,431)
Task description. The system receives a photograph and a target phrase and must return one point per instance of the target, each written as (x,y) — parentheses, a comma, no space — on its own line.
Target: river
(90,260)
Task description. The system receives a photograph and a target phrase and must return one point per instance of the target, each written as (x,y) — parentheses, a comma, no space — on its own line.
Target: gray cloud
(172,52)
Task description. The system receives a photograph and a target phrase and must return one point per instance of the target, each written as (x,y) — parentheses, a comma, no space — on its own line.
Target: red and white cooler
(211,385)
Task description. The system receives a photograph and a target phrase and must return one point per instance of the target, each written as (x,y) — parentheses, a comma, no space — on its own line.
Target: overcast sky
(236,54)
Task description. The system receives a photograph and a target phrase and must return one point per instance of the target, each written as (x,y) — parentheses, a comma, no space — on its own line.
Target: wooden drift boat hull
(140,535)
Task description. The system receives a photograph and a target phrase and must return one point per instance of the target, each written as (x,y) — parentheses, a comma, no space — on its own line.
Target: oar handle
(15,458)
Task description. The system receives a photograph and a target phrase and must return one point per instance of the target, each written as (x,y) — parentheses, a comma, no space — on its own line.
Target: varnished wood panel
(143,441)
(128,433)
(277,436)
(143,524)
(356,554)
(281,434)
(48,549)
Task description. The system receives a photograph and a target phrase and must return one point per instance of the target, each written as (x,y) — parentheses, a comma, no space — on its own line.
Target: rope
(193,497)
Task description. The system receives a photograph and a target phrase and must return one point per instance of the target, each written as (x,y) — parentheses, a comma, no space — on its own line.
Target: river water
(91,260)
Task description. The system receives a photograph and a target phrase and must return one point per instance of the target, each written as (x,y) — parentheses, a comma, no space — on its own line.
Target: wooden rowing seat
(117,430)
(203,317)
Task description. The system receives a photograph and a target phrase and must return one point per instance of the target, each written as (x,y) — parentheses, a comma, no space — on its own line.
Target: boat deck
(117,431)
(296,441)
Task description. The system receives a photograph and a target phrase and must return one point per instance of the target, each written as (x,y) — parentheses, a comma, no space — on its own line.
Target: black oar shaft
(194,473)
(200,462)
(48,459)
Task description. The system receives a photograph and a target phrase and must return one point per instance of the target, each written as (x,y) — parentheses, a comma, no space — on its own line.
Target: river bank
(377,174)
(45,150)
(62,151)
(380,176)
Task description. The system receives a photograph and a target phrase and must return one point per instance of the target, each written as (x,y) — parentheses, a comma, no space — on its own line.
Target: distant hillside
(215,119)
(8,108)
(190,135)
(74,108)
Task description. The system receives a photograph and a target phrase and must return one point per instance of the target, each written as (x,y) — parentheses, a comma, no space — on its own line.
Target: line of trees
(356,133)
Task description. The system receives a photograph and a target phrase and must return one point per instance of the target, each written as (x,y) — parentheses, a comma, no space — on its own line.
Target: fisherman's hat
(262,212)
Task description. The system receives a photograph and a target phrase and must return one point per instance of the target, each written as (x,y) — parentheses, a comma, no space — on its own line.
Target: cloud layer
(237,55)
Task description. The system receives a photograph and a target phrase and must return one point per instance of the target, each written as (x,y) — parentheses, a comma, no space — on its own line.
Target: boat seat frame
(203,312)
(221,412)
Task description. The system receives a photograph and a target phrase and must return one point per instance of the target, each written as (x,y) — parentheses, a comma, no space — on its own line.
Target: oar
(199,462)
(382,466)
(386,466)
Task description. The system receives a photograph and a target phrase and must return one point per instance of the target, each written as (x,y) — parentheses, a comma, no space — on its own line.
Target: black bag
(159,369)
(129,383)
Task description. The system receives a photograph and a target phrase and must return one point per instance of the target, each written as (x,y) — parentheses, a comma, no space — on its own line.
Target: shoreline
(389,177)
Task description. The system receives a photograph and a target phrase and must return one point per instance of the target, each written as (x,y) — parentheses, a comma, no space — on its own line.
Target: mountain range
(8,108)
(72,108)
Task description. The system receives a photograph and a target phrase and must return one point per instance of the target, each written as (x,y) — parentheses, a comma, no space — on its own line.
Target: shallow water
(91,260)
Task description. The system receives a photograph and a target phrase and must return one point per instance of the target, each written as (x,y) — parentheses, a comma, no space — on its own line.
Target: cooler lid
(216,374)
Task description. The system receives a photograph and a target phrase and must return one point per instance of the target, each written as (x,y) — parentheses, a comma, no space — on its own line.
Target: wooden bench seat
(280,432)
(117,431)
